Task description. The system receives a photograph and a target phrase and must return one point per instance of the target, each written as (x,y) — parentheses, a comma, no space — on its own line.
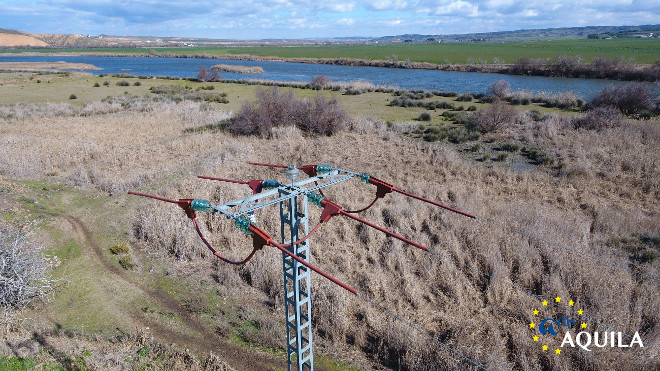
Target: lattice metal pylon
(297,284)
(295,251)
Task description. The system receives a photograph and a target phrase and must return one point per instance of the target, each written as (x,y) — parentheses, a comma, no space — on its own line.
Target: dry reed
(605,186)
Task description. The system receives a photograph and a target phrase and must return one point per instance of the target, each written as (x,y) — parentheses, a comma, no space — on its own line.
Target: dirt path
(205,341)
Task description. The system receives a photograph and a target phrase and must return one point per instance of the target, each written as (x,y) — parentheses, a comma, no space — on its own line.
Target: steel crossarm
(263,199)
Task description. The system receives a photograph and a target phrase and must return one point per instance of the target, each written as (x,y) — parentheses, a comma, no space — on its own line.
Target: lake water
(462,82)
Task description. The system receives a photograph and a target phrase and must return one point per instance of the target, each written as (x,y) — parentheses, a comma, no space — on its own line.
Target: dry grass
(605,186)
(237,68)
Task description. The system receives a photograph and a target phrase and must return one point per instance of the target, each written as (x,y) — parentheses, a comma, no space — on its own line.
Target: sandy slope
(19,40)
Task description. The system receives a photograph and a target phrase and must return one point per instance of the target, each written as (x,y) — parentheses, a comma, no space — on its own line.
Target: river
(462,82)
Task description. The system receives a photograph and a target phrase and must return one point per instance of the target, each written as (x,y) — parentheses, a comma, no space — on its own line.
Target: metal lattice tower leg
(297,287)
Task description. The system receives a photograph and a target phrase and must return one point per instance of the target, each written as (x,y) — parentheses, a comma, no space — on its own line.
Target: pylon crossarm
(314,268)
(272,197)
(190,205)
(383,188)
(255,184)
(331,209)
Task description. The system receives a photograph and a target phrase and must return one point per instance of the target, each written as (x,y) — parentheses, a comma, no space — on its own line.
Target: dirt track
(202,344)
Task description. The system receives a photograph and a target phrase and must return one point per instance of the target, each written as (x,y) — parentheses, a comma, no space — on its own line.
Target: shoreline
(45,66)
(632,73)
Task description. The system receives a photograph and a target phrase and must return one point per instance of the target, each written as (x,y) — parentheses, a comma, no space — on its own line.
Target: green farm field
(645,51)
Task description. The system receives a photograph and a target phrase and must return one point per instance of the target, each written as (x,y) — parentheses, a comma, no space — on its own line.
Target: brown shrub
(320,82)
(495,117)
(499,88)
(598,119)
(276,108)
(630,98)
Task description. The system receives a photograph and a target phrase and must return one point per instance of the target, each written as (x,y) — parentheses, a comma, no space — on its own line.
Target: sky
(296,19)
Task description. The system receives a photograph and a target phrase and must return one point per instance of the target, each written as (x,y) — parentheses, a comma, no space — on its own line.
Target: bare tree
(24,273)
(319,82)
(203,74)
(499,88)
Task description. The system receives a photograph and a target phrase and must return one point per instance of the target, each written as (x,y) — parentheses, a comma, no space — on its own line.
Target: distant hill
(535,34)
(18,39)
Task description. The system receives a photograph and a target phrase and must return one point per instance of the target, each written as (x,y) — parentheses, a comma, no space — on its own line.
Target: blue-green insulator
(365,177)
(315,199)
(323,169)
(200,205)
(269,183)
(243,224)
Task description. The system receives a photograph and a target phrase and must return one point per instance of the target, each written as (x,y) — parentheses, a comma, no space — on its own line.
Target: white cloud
(461,8)
(337,6)
(276,18)
(389,4)
(346,21)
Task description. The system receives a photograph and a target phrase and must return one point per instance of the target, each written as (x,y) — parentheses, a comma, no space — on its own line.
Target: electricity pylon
(293,198)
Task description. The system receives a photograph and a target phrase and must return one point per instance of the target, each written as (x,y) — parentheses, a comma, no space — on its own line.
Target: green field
(633,50)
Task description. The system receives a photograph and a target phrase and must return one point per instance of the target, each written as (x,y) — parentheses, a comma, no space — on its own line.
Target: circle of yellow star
(545,302)
(545,347)
(536,338)
(570,303)
(558,351)
(584,325)
(580,312)
(531,325)
(536,312)
(558,299)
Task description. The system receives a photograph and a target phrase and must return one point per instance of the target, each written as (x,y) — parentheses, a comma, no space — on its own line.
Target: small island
(237,68)
(45,66)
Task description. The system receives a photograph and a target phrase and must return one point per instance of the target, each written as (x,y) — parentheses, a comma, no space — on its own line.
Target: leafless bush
(325,117)
(276,108)
(631,98)
(495,117)
(499,88)
(320,82)
(204,75)
(356,86)
(564,100)
(24,272)
(566,65)
(598,119)
(574,66)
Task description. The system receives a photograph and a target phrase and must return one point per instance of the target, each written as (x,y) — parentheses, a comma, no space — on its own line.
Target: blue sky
(259,19)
